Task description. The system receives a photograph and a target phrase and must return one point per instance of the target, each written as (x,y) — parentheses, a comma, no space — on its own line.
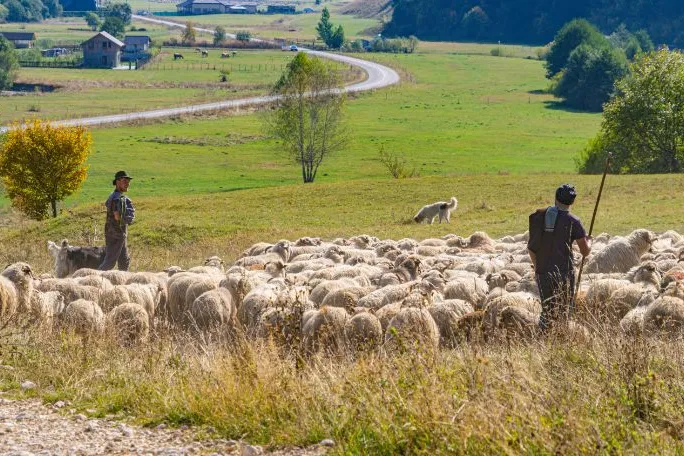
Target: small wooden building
(102,51)
(20,40)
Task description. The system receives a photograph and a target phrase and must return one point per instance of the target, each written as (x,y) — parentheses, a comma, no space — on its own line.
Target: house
(20,40)
(280,9)
(189,7)
(136,43)
(102,51)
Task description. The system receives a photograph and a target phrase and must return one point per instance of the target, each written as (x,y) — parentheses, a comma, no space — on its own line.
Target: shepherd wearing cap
(120,214)
(552,232)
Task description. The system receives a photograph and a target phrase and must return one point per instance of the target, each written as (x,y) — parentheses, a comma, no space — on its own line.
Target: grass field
(163,83)
(477,127)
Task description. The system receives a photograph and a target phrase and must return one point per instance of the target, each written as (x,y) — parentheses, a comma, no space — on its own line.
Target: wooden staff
(593,219)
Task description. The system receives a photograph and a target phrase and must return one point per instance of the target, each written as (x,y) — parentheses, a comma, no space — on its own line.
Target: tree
(4,12)
(219,35)
(188,34)
(325,27)
(588,81)
(573,34)
(92,20)
(644,40)
(643,125)
(308,117)
(243,35)
(336,39)
(42,164)
(114,26)
(475,22)
(9,64)
(121,10)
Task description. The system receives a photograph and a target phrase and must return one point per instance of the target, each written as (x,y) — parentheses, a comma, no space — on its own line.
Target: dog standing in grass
(440,208)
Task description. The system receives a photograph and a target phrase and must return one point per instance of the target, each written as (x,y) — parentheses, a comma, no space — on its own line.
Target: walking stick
(593,219)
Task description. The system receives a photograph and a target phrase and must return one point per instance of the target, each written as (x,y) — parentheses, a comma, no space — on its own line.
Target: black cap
(120,175)
(566,194)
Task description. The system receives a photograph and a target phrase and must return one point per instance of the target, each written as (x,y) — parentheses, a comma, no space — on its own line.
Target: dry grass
(605,394)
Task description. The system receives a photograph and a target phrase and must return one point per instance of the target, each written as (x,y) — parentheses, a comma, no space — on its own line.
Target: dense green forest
(532,21)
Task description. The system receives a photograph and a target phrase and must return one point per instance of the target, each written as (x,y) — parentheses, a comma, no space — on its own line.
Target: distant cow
(225,55)
(205,53)
(177,56)
(198,49)
(69,259)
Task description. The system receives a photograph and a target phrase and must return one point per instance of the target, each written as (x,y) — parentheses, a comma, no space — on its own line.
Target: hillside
(531,20)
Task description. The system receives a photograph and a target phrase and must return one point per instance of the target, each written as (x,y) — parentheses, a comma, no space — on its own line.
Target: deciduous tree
(308,118)
(41,164)
(92,20)
(219,35)
(189,34)
(573,34)
(114,26)
(643,125)
(9,64)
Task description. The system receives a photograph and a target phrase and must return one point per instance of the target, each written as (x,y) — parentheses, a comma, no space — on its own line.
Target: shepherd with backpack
(552,233)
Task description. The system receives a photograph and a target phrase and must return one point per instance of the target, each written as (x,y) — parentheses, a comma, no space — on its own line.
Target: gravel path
(27,427)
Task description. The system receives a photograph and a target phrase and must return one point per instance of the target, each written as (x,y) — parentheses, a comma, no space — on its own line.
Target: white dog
(441,208)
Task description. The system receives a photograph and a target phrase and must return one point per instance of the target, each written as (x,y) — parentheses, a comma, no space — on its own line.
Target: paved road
(378,76)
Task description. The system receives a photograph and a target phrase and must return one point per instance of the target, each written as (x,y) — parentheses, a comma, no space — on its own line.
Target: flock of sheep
(361,293)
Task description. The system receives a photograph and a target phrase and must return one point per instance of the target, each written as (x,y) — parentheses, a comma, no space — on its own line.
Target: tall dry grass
(565,395)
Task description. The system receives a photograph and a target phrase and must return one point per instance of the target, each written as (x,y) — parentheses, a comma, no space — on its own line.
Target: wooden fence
(51,63)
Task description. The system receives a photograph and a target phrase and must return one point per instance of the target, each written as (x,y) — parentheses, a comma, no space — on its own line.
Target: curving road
(378,76)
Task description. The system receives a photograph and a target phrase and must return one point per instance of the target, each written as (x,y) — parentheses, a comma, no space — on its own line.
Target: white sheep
(412,328)
(665,315)
(211,310)
(323,330)
(621,254)
(46,307)
(472,290)
(363,331)
(8,298)
(21,275)
(83,317)
(129,322)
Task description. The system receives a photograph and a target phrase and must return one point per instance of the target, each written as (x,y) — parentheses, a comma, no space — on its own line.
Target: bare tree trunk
(53,203)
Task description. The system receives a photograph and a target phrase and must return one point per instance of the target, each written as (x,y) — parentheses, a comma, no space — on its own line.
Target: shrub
(243,35)
(396,165)
(572,35)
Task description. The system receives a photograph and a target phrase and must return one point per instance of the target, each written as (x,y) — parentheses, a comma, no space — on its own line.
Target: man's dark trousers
(557,293)
(116,251)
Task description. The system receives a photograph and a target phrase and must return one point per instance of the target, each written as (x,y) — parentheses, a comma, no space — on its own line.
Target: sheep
(211,310)
(177,288)
(471,325)
(406,272)
(116,277)
(21,275)
(517,299)
(600,290)
(666,315)
(256,302)
(633,321)
(473,291)
(517,321)
(129,322)
(95,280)
(386,313)
(500,279)
(195,289)
(621,254)
(83,317)
(320,291)
(383,296)
(412,327)
(8,298)
(46,307)
(363,331)
(147,296)
(323,330)
(347,297)
(446,320)
(70,290)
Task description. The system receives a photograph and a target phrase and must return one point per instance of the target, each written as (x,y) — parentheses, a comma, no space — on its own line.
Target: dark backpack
(541,242)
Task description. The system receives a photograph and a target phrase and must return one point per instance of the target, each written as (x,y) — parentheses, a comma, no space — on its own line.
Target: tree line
(532,21)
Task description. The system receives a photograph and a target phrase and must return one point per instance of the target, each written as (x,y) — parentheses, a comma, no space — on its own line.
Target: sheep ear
(65,243)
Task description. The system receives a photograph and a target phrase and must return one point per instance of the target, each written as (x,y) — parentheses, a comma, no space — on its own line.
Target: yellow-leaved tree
(41,164)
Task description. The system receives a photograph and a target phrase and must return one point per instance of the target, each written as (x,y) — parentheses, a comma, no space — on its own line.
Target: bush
(588,81)
(572,35)
(243,35)
(9,64)
(396,165)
